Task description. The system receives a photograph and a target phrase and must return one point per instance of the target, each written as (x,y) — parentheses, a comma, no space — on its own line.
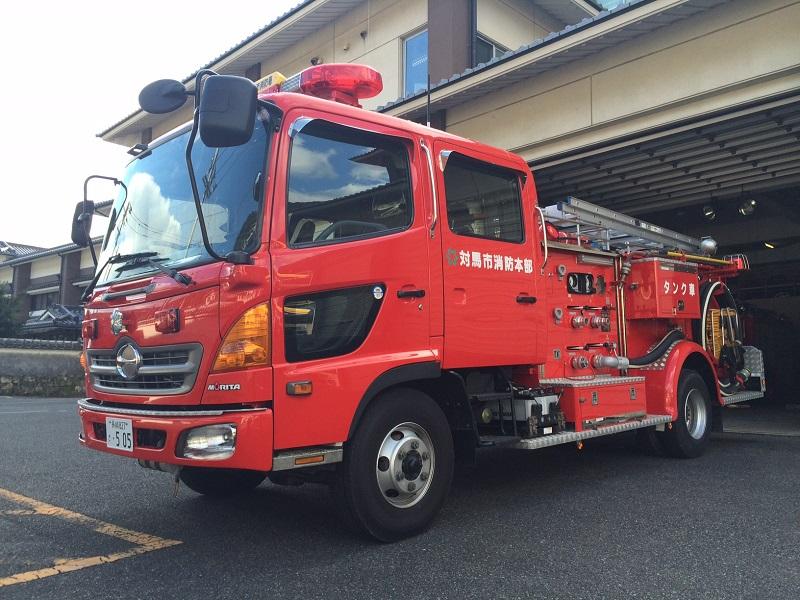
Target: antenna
(428,100)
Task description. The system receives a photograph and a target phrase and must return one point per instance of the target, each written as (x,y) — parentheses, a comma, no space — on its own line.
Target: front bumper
(156,433)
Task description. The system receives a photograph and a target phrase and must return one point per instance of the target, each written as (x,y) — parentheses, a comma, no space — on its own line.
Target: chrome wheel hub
(695,410)
(405,464)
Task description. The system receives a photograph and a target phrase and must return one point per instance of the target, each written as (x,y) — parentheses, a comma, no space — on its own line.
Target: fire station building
(683,112)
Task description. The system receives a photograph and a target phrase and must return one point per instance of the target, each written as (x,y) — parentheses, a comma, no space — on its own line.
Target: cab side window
(483,200)
(345,184)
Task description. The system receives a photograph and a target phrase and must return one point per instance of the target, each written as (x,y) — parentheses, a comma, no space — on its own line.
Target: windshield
(158,216)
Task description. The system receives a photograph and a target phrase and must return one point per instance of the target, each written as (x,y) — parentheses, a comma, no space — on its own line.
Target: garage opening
(733,176)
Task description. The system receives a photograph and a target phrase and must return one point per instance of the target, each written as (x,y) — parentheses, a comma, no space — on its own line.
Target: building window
(483,200)
(486,50)
(415,59)
(42,301)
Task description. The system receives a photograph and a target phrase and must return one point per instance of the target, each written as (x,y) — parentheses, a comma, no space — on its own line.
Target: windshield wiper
(131,261)
(114,258)
(136,256)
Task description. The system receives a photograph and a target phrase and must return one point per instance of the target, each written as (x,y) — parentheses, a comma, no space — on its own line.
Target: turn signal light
(89,329)
(247,343)
(82,360)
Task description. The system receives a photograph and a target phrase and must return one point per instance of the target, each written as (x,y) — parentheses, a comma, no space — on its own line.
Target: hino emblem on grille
(117,322)
(129,359)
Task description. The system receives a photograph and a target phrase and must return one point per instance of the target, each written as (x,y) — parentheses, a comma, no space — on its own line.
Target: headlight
(210,442)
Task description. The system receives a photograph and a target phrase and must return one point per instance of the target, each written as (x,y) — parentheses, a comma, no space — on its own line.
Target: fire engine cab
(296,288)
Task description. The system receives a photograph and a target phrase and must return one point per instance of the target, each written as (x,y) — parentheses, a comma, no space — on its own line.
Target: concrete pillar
(22,281)
(451,33)
(70,273)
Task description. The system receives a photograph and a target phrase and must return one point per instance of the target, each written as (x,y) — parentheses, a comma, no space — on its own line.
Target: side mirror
(227,110)
(163,96)
(82,223)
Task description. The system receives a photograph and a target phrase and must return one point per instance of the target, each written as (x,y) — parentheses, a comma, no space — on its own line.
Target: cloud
(311,163)
(370,174)
(148,220)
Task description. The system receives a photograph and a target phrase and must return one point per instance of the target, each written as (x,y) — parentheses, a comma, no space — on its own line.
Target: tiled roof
(42,252)
(17,250)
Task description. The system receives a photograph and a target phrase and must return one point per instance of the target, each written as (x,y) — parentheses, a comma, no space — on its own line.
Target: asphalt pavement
(605,522)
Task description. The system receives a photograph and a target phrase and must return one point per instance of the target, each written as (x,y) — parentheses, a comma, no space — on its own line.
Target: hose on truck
(658,350)
(731,374)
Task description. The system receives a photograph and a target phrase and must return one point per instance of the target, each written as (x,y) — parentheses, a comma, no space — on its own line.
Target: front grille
(164,370)
(155,382)
(174,357)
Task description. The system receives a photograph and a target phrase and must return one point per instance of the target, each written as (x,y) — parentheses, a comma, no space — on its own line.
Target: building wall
(386,23)
(86,257)
(513,23)
(6,276)
(45,266)
(732,54)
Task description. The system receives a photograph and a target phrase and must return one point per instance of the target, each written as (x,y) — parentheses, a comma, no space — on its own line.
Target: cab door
(491,313)
(349,250)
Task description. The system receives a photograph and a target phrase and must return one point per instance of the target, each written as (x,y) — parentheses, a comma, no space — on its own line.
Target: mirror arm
(193,181)
(233,257)
(198,79)
(85,204)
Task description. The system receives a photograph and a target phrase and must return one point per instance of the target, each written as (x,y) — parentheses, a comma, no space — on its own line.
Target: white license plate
(119,434)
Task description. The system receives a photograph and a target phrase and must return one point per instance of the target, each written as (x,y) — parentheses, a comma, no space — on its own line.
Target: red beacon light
(340,82)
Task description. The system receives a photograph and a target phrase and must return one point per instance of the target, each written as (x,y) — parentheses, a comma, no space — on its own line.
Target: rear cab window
(483,200)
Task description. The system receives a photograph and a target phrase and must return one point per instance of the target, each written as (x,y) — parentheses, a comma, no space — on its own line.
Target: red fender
(662,383)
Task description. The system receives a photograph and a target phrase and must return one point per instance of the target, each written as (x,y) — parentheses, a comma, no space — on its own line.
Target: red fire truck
(309,291)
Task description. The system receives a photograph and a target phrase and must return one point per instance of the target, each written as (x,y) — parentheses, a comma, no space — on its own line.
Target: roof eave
(57,250)
(218,64)
(555,43)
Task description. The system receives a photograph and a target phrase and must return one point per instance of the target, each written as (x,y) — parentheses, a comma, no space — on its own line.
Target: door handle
(522,299)
(410,293)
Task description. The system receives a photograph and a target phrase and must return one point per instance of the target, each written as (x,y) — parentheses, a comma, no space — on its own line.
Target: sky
(74,68)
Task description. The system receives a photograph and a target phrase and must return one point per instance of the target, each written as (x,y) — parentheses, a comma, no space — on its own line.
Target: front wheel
(397,467)
(690,433)
(220,482)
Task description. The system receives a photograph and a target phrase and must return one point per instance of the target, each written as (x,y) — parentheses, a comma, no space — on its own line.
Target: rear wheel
(690,433)
(220,482)
(397,467)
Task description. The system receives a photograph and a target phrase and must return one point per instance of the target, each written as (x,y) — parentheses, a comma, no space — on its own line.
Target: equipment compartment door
(350,269)
(491,310)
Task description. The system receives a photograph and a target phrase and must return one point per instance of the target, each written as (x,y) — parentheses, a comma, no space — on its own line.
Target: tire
(220,482)
(689,436)
(397,467)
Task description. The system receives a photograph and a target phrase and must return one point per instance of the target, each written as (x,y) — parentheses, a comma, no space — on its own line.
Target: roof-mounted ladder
(611,230)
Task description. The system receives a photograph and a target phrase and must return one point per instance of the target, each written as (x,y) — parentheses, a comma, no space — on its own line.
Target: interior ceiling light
(709,212)
(747,207)
(770,246)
